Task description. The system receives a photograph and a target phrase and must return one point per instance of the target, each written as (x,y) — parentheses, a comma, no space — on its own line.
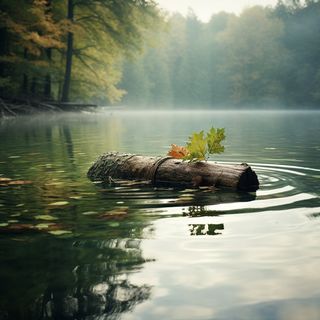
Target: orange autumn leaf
(178,152)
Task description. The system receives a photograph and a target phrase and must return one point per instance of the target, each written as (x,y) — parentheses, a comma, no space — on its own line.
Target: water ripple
(281,187)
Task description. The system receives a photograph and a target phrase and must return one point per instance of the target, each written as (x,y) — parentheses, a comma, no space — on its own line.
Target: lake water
(73,249)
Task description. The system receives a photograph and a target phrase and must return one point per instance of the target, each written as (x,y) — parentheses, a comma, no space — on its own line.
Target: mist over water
(265,56)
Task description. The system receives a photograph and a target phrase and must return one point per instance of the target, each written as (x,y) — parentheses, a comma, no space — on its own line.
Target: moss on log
(166,171)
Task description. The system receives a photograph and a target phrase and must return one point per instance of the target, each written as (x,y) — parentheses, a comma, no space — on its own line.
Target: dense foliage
(66,49)
(265,56)
(127,51)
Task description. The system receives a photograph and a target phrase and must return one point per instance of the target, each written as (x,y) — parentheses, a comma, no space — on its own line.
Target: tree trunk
(25,78)
(172,172)
(3,49)
(69,54)
(25,84)
(33,88)
(47,80)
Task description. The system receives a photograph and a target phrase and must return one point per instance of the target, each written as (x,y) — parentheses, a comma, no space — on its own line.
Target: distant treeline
(266,57)
(83,50)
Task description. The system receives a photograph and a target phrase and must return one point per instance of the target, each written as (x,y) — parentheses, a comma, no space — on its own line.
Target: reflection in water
(198,211)
(71,279)
(205,229)
(68,142)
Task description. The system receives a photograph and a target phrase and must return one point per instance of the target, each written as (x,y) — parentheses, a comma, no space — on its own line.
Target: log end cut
(248,180)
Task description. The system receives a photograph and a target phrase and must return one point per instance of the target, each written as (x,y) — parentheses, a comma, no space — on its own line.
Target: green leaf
(200,145)
(197,147)
(214,138)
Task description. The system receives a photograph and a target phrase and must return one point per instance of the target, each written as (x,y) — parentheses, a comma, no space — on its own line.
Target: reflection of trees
(209,229)
(102,286)
(198,211)
(66,133)
(62,279)
(205,229)
(315,215)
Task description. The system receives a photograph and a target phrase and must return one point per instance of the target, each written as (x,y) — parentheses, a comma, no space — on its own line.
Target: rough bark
(25,78)
(47,80)
(173,172)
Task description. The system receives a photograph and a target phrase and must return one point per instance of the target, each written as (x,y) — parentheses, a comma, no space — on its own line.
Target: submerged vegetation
(130,52)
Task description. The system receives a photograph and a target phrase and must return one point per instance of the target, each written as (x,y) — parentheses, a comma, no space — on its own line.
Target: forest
(70,50)
(131,52)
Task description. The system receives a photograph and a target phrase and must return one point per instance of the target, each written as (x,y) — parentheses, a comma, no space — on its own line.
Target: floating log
(166,171)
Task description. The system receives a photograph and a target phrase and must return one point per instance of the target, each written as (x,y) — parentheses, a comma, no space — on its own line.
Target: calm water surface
(72,249)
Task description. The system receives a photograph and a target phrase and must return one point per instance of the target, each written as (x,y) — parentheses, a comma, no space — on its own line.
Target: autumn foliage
(178,152)
(200,145)
(46,44)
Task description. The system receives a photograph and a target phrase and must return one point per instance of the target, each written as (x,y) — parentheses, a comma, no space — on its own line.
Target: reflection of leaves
(18,228)
(26,227)
(75,197)
(118,213)
(4,224)
(59,232)
(58,203)
(42,226)
(114,224)
(4,182)
(88,213)
(19,182)
(46,217)
(178,152)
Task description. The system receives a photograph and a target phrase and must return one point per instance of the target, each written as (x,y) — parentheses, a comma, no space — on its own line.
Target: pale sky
(205,8)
